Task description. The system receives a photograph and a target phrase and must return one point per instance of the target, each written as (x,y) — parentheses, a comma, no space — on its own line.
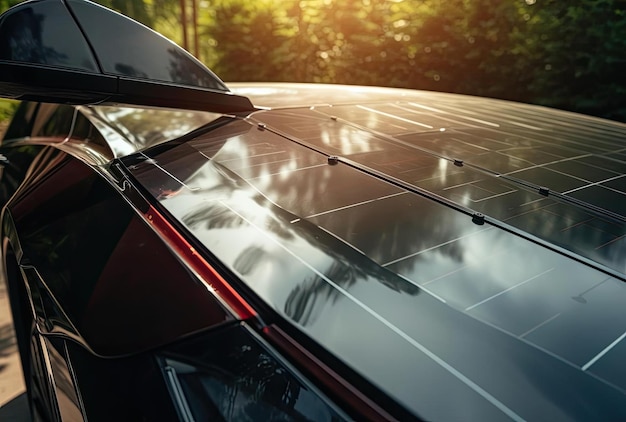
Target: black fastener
(478,218)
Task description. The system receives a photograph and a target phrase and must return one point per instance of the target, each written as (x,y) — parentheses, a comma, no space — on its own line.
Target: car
(176,248)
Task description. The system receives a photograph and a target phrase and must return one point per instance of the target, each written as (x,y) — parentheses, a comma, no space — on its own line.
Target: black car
(176,249)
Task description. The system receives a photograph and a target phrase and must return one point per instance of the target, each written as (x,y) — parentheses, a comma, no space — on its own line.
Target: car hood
(409,236)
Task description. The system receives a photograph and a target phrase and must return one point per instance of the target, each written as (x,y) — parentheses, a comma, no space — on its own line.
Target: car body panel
(97,266)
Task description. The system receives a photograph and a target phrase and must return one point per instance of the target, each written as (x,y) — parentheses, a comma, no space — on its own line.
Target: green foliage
(579,56)
(5,4)
(7,108)
(545,51)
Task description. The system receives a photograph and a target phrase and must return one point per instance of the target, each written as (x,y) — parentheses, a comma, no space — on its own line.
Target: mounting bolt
(333,159)
(478,218)
(544,191)
(333,118)
(261,126)
(458,163)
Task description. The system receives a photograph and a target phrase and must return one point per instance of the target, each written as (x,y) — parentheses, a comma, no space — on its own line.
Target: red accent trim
(348,395)
(209,275)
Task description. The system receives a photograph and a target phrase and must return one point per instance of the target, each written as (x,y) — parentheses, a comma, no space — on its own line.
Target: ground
(12,397)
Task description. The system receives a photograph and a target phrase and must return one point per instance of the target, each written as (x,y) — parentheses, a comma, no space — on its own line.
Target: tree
(576,55)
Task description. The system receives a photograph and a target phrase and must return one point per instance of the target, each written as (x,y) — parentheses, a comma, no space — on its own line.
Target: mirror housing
(78,52)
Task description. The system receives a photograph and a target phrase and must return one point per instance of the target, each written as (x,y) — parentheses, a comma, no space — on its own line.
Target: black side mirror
(75,51)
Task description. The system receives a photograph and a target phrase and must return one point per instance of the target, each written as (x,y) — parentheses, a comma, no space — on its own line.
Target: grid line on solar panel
(617,239)
(548,126)
(617,184)
(287,171)
(464,185)
(541,324)
(577,122)
(591,173)
(600,182)
(471,119)
(356,204)
(521,283)
(248,157)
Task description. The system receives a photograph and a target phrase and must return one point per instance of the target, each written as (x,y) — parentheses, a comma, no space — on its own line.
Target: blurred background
(564,54)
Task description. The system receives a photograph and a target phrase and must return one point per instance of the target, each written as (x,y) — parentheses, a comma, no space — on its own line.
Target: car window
(39,34)
(230,375)
(145,55)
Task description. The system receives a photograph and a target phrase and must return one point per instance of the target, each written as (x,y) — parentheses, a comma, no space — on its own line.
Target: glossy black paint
(124,389)
(104,258)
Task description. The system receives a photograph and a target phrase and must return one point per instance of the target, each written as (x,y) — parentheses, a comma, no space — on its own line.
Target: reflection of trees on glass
(184,71)
(128,70)
(596,237)
(315,291)
(232,377)
(338,262)
(21,34)
(384,230)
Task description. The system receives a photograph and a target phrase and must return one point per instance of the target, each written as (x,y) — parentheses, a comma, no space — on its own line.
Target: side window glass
(230,375)
(145,54)
(39,34)
(113,277)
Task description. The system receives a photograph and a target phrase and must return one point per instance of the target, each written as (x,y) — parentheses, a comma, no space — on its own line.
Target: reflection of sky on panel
(500,158)
(252,232)
(520,286)
(250,193)
(582,331)
(562,306)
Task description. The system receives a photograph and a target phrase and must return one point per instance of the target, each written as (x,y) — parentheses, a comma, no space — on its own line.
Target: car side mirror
(78,52)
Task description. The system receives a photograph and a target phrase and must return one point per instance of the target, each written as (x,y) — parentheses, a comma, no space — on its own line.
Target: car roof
(522,165)
(427,260)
